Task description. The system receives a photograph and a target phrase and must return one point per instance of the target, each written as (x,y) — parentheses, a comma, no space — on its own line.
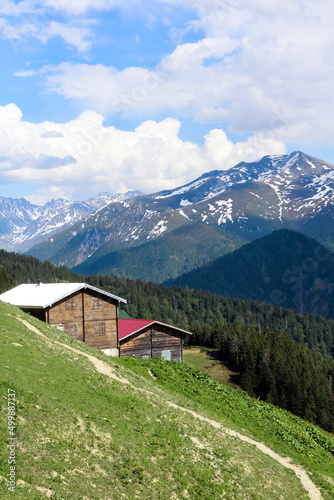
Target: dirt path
(105,369)
(309,486)
(100,366)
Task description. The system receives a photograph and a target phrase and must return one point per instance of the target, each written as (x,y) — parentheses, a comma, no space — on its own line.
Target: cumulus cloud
(258,66)
(83,157)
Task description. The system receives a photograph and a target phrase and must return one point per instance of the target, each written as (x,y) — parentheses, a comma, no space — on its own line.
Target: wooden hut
(92,316)
(83,311)
(148,339)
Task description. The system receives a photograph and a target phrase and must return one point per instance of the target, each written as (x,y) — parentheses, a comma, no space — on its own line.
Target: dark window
(73,330)
(100,328)
(71,304)
(97,303)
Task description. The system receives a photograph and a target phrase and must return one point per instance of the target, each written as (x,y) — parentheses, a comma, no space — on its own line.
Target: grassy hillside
(90,427)
(210,361)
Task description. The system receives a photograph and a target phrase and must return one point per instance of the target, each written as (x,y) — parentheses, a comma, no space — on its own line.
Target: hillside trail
(105,369)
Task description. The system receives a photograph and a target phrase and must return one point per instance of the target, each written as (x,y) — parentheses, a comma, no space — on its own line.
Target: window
(100,328)
(71,304)
(73,329)
(97,303)
(165,355)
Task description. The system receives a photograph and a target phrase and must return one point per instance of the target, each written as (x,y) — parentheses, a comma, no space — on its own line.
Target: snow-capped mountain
(250,200)
(23,224)
(294,191)
(103,199)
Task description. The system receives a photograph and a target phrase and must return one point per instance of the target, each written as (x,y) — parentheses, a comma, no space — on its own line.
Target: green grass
(208,360)
(81,435)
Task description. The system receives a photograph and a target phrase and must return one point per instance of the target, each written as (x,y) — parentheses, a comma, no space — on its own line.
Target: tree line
(186,308)
(283,357)
(276,369)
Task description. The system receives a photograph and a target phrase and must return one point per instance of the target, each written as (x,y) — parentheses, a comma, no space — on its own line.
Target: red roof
(127,327)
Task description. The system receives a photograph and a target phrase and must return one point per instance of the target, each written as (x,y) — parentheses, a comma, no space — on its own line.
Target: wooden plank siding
(138,345)
(88,316)
(100,314)
(166,339)
(152,341)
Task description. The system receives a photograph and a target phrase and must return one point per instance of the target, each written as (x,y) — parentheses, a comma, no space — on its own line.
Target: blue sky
(101,96)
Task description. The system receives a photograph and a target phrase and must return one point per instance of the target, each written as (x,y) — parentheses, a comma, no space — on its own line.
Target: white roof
(46,294)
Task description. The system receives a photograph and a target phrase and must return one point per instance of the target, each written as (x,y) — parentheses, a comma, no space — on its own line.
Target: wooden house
(83,311)
(148,339)
(92,316)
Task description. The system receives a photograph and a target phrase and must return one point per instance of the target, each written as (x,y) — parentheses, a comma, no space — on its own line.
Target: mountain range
(248,201)
(168,233)
(23,224)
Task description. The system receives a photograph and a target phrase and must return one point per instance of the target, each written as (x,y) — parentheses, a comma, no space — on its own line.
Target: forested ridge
(16,269)
(283,357)
(284,267)
(276,369)
(166,257)
(198,311)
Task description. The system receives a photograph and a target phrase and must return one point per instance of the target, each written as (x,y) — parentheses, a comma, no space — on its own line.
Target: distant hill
(175,253)
(285,268)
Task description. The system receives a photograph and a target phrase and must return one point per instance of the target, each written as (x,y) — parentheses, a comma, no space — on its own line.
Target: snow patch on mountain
(225,209)
(22,224)
(184,215)
(185,203)
(182,190)
(158,229)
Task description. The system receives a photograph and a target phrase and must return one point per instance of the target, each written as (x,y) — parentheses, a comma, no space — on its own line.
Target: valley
(242,259)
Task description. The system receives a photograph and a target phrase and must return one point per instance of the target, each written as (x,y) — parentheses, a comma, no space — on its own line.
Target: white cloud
(76,7)
(10,8)
(72,35)
(25,73)
(81,6)
(44,30)
(259,66)
(106,89)
(46,194)
(82,157)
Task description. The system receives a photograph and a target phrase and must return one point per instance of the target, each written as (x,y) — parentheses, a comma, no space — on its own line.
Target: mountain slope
(285,268)
(293,191)
(179,251)
(23,224)
(250,200)
(101,430)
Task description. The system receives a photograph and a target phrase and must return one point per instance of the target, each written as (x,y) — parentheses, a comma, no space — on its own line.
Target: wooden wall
(154,342)
(101,317)
(88,316)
